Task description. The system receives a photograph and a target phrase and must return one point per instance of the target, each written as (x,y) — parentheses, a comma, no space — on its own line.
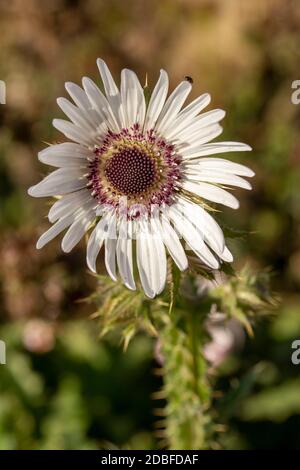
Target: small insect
(189,79)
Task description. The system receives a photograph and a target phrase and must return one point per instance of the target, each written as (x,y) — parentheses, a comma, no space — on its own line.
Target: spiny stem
(194,350)
(195,329)
(185,387)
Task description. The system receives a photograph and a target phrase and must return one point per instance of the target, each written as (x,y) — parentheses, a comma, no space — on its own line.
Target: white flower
(141,174)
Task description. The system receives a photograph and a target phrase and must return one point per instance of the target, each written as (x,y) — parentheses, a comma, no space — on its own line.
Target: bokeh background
(62,388)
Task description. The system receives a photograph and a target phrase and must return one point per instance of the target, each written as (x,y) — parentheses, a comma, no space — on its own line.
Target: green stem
(194,350)
(185,385)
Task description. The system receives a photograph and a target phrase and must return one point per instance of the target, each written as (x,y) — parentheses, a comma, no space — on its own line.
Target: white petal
(223,147)
(173,244)
(100,103)
(219,164)
(193,144)
(172,106)
(157,100)
(80,98)
(133,99)
(78,95)
(186,116)
(78,116)
(110,257)
(112,92)
(159,257)
(96,241)
(205,223)
(61,181)
(124,255)
(74,133)
(226,255)
(217,177)
(145,261)
(77,230)
(69,203)
(203,120)
(212,193)
(110,242)
(55,230)
(66,154)
(193,237)
(110,87)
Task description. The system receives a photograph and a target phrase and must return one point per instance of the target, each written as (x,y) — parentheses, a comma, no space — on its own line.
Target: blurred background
(62,388)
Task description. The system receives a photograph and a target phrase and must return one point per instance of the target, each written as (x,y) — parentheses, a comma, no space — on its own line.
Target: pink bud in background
(38,336)
(227,335)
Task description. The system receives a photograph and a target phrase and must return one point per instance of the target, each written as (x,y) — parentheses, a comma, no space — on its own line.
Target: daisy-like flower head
(141,176)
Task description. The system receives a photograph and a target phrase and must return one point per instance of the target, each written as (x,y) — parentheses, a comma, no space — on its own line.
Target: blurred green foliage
(61,386)
(73,396)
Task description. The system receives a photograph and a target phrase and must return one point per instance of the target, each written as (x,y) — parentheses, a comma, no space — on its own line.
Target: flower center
(142,167)
(131,171)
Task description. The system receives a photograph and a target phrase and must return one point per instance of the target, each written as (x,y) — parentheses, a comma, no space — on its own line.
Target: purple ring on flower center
(142,167)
